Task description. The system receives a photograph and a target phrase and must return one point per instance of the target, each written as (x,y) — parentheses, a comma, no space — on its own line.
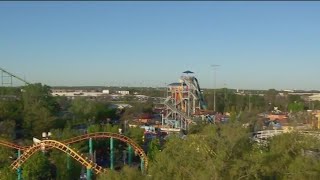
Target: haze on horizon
(258,45)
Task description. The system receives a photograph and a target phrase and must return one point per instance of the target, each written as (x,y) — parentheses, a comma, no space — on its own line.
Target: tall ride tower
(184,100)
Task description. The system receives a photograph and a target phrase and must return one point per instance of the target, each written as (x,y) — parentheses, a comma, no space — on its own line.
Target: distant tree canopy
(83,108)
(226,152)
(295,106)
(37,167)
(39,109)
(137,109)
(208,151)
(228,101)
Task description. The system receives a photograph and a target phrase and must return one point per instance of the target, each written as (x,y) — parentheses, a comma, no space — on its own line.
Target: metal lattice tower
(7,78)
(184,100)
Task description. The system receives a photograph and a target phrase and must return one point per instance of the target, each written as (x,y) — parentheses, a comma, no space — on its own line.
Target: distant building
(106,91)
(123,92)
(120,106)
(77,93)
(316,123)
(280,117)
(148,128)
(288,90)
(315,97)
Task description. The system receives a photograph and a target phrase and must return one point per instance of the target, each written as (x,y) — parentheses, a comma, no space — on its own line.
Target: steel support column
(89,173)
(142,166)
(130,155)
(111,154)
(19,169)
(89,170)
(68,161)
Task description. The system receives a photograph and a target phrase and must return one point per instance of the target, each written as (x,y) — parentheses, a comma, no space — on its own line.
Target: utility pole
(249,103)
(214,66)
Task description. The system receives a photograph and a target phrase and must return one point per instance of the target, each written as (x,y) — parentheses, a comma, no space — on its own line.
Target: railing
(263,135)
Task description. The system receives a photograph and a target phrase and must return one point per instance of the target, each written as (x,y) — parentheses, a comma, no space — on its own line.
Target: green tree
(136,133)
(38,119)
(10,110)
(63,103)
(285,158)
(11,91)
(7,173)
(110,128)
(61,160)
(39,108)
(128,173)
(83,109)
(211,154)
(94,128)
(294,98)
(271,95)
(91,111)
(6,157)
(37,168)
(7,129)
(103,112)
(39,94)
(136,110)
(183,159)
(153,149)
(295,107)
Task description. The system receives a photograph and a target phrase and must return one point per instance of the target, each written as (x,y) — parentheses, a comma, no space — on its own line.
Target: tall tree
(37,168)
(82,108)
(128,173)
(39,108)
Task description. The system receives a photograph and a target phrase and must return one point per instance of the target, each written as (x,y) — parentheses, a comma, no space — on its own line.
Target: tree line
(227,152)
(223,151)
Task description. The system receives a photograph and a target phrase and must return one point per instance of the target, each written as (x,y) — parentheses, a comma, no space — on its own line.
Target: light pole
(249,103)
(214,66)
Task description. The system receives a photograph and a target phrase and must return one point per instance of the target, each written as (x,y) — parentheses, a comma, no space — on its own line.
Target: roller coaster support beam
(12,75)
(130,154)
(111,154)
(90,149)
(19,169)
(142,166)
(68,161)
(89,171)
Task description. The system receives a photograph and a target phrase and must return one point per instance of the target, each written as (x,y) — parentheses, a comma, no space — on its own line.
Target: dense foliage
(226,152)
(220,151)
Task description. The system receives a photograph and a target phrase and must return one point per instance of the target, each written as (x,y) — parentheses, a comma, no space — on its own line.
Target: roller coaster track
(57,145)
(12,75)
(13,146)
(28,151)
(103,135)
(202,102)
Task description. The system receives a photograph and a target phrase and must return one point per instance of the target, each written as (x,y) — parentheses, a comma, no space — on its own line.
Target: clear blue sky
(258,45)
